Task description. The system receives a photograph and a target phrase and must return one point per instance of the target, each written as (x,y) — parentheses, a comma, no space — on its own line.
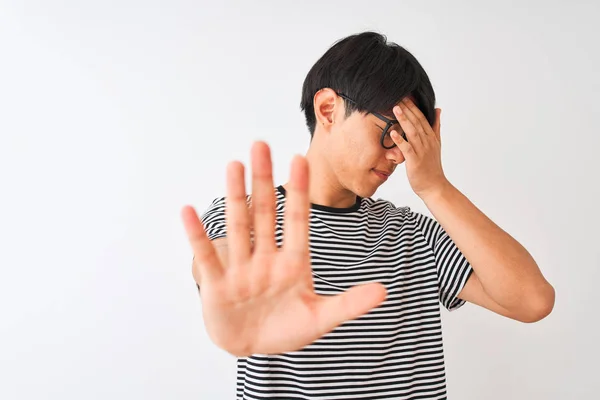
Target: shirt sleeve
(213,219)
(453,269)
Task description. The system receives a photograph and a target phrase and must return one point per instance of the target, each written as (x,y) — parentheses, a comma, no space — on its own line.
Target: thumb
(358,300)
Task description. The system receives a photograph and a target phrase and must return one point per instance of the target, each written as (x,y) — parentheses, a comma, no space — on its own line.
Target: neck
(324,188)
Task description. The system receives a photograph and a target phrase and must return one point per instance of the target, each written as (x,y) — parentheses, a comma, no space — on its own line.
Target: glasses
(390,125)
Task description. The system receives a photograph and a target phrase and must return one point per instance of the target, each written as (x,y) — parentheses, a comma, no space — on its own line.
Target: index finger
(237,218)
(297,209)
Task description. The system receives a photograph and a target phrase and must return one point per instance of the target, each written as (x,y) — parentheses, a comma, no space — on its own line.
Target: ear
(325,102)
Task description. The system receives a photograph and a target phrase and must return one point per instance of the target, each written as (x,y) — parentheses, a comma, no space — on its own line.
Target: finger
(251,218)
(414,138)
(236,215)
(437,124)
(205,256)
(263,198)
(349,305)
(420,119)
(404,146)
(416,122)
(297,209)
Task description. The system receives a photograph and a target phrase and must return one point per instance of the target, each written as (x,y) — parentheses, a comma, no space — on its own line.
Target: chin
(366,191)
(364,188)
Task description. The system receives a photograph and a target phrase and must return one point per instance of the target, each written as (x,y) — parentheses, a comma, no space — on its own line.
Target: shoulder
(405,215)
(217,205)
(383,207)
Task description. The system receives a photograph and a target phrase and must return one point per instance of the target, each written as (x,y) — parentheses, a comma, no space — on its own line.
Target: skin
(253,304)
(344,152)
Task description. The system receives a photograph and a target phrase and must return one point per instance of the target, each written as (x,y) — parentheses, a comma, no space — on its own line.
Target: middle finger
(263,198)
(414,137)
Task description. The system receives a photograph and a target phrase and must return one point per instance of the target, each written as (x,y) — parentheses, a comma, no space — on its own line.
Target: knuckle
(240,224)
(298,255)
(263,207)
(264,237)
(201,254)
(297,215)
(196,272)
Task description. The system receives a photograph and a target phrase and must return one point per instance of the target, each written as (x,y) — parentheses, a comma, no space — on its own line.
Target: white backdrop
(114,114)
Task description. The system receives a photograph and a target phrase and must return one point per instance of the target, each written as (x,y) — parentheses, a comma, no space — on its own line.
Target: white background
(114,114)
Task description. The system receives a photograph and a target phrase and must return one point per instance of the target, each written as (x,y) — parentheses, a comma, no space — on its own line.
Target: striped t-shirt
(394,351)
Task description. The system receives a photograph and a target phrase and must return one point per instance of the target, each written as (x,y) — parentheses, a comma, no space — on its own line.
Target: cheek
(364,140)
(357,148)
(367,150)
(361,155)
(354,151)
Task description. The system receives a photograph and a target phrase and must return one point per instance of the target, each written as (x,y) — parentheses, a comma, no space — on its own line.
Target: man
(324,292)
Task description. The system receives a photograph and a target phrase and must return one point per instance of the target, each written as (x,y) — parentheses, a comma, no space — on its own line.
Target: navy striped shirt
(394,351)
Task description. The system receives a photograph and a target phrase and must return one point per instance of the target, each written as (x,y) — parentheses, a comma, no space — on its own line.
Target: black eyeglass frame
(388,123)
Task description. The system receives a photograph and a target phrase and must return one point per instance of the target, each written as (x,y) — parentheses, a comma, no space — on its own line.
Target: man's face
(357,157)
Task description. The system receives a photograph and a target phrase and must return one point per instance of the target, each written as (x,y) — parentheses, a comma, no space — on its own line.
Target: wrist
(440,191)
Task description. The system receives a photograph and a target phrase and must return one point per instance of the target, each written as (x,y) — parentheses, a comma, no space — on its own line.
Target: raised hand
(422,151)
(263,301)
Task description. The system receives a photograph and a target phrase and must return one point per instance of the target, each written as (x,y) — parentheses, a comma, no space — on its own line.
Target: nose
(394,155)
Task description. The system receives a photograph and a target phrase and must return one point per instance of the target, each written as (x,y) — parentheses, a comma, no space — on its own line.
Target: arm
(506,278)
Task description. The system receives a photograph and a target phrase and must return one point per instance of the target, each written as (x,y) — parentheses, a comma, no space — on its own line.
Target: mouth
(381,174)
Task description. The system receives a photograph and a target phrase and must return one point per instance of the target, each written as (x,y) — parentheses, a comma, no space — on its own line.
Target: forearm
(506,270)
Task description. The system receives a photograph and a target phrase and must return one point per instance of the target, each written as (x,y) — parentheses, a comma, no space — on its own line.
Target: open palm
(263,300)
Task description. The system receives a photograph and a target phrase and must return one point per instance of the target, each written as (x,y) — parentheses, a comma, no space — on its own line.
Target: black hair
(372,72)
